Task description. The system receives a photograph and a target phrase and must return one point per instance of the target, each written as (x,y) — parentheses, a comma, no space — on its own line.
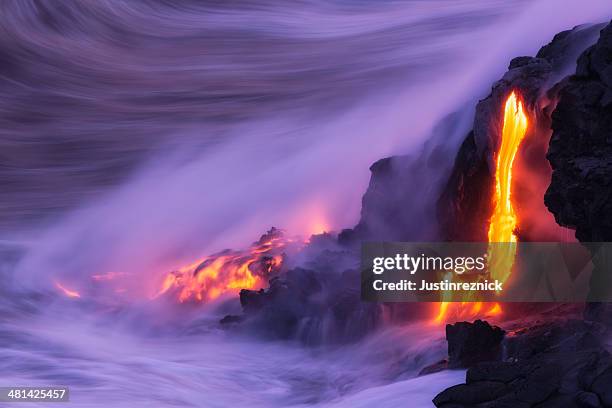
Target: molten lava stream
(466,310)
(229,271)
(503,221)
(501,237)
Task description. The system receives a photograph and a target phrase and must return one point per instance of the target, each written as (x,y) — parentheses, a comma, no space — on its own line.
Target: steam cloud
(143,134)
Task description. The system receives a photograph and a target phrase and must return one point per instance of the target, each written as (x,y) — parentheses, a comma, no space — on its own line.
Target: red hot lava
(229,271)
(503,222)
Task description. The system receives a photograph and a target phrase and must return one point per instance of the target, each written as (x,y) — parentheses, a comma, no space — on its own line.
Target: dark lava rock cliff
(580,193)
(555,364)
(558,363)
(465,204)
(580,153)
(472,343)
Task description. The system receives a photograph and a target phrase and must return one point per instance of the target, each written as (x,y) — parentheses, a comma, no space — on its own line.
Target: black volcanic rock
(311,306)
(567,336)
(471,394)
(471,343)
(588,400)
(547,365)
(566,46)
(547,380)
(602,387)
(580,153)
(461,206)
(231,319)
(287,300)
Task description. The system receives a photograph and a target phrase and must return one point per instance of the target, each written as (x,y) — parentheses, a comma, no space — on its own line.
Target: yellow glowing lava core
(503,221)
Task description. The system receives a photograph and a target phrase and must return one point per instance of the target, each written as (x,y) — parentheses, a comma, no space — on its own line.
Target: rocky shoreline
(558,363)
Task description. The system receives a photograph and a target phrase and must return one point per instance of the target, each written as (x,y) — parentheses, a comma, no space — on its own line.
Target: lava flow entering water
(229,271)
(503,222)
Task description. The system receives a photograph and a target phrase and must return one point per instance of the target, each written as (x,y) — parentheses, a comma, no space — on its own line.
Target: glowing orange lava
(229,271)
(66,291)
(503,222)
(466,310)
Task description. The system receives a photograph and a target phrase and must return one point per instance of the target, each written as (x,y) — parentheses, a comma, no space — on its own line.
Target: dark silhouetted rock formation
(580,193)
(472,343)
(558,364)
(580,153)
(310,306)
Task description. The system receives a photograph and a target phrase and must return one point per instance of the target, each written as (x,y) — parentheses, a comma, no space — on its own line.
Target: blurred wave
(107,366)
(187,127)
(89,90)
